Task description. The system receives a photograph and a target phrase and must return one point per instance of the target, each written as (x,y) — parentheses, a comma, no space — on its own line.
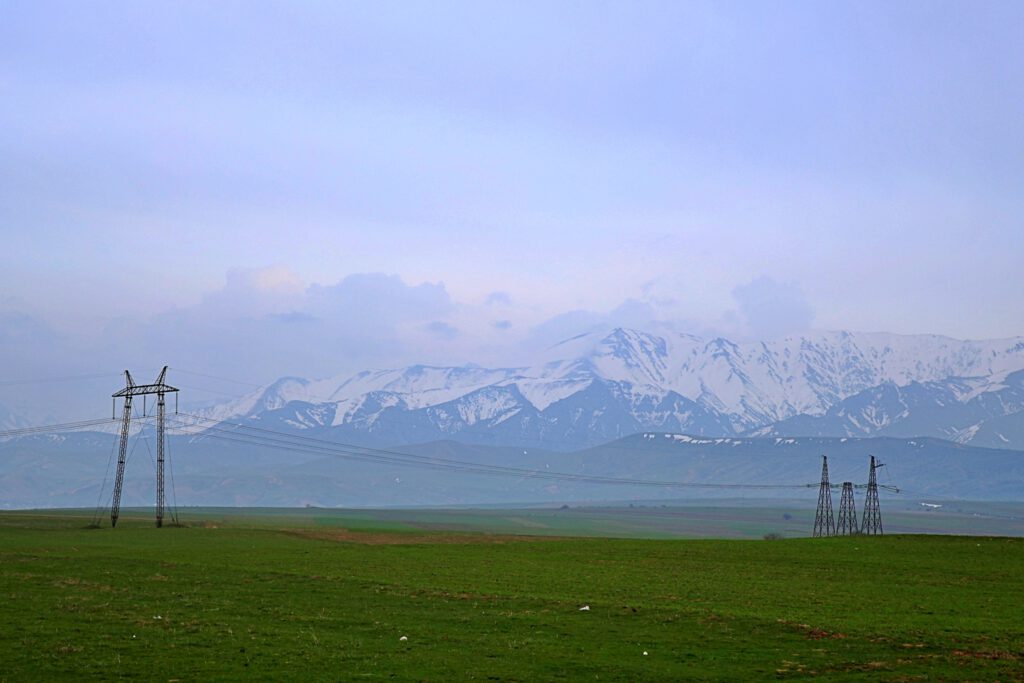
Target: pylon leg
(160,460)
(122,455)
(847,512)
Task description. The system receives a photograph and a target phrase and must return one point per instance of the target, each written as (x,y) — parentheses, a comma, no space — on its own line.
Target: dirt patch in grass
(966,654)
(393,538)
(81,584)
(811,632)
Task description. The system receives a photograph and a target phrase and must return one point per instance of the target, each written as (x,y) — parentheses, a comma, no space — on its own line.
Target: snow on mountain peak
(751,384)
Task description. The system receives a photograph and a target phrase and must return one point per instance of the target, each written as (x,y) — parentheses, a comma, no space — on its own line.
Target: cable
(289,442)
(106,473)
(135,445)
(268,438)
(174,493)
(98,513)
(47,380)
(205,390)
(62,427)
(522,474)
(222,379)
(538,442)
(152,461)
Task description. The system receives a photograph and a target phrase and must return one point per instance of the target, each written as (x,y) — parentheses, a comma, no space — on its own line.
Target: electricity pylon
(847,525)
(872,522)
(824,523)
(131,390)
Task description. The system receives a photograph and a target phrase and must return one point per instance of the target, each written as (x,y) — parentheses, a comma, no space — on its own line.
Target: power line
(283,441)
(100,508)
(409,420)
(216,377)
(268,438)
(61,427)
(400,419)
(49,380)
(257,436)
(103,486)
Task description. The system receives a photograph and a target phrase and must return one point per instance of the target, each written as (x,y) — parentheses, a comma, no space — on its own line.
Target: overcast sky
(262,188)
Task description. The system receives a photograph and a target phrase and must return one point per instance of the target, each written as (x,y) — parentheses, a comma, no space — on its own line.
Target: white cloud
(770,309)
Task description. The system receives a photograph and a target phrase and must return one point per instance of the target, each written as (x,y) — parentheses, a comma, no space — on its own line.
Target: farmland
(311,595)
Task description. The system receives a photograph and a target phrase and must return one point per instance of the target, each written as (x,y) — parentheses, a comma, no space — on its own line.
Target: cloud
(566,325)
(656,314)
(498,299)
(264,323)
(43,369)
(442,330)
(634,313)
(379,300)
(771,309)
(293,317)
(255,292)
(271,278)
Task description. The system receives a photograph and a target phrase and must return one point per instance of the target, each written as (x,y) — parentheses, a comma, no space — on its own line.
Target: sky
(254,189)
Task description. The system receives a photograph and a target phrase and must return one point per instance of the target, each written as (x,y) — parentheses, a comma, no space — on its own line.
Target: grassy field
(303,596)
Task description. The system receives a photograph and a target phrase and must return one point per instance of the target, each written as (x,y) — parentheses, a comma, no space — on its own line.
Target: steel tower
(824,522)
(131,390)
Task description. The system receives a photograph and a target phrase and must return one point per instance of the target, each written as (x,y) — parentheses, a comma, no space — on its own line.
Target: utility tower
(872,522)
(824,523)
(131,390)
(847,512)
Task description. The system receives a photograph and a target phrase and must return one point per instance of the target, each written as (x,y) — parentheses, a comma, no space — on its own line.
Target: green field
(316,595)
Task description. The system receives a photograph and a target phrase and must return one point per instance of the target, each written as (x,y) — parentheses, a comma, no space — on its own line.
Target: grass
(299,597)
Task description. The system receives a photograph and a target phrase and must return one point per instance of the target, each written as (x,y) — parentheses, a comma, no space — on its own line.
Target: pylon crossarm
(140,389)
(887,487)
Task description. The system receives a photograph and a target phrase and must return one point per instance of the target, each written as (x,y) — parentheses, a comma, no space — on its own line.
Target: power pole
(847,512)
(872,522)
(130,390)
(824,523)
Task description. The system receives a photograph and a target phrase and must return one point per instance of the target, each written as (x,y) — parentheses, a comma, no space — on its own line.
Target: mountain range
(946,416)
(597,387)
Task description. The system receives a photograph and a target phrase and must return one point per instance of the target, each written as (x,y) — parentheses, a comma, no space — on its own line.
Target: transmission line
(290,442)
(45,429)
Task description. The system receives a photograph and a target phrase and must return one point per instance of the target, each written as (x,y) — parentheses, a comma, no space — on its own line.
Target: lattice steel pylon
(872,521)
(847,525)
(130,390)
(824,522)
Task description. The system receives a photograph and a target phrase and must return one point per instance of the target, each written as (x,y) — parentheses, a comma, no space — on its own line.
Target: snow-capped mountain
(957,409)
(597,387)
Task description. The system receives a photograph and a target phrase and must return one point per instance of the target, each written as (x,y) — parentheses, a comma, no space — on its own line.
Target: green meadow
(316,595)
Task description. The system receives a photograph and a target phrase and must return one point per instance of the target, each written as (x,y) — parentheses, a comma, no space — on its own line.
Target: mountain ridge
(596,386)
